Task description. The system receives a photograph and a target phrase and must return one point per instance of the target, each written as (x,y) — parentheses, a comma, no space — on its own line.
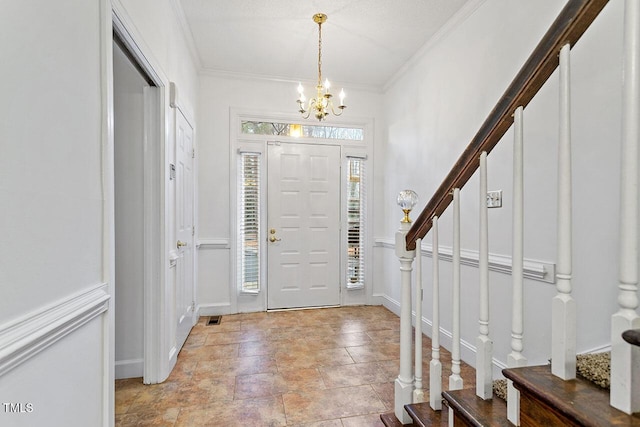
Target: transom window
(302,131)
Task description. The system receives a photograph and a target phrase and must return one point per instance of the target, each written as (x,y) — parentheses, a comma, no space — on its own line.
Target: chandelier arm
(306,113)
(333,110)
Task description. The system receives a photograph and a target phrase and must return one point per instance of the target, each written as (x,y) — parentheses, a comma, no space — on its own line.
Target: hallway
(331,367)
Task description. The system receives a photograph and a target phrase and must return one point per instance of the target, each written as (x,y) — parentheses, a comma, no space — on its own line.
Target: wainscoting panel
(25,337)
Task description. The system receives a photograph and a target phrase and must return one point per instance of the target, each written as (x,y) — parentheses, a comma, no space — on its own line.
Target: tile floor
(332,367)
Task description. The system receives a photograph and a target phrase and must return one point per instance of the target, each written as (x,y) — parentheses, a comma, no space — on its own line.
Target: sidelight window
(355,222)
(249,223)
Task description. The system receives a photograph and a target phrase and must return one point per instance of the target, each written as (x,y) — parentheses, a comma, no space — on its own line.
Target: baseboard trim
(601,349)
(131,368)
(467,350)
(23,338)
(217,309)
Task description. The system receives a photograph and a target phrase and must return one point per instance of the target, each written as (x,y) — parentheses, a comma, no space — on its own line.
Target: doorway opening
(135,93)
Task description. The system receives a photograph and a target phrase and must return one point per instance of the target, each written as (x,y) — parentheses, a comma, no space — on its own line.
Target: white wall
(218,95)
(129,215)
(437,106)
(56,326)
(52,324)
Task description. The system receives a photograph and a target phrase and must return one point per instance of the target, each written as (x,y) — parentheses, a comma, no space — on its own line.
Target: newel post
(404,383)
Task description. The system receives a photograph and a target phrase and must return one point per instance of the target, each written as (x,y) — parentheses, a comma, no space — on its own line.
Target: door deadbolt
(272,237)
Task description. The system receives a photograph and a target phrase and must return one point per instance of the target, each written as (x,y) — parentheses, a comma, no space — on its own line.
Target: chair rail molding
(23,338)
(541,271)
(213,243)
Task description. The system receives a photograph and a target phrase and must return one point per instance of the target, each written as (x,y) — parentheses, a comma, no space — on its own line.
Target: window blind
(249,223)
(355,222)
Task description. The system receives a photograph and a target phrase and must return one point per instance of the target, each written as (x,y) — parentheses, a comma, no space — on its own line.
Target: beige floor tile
(163,418)
(355,374)
(310,368)
(375,352)
(325,423)
(301,407)
(273,384)
(234,366)
(371,420)
(239,413)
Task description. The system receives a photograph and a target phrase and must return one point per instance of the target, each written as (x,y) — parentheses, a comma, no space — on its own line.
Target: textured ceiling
(364,42)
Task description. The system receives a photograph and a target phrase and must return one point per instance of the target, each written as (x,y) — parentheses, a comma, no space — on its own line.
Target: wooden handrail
(568,27)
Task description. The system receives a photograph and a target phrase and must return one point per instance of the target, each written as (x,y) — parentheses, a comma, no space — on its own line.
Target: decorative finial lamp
(322,104)
(407,199)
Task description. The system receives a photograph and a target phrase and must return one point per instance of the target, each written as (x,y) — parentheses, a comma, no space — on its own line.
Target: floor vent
(214,320)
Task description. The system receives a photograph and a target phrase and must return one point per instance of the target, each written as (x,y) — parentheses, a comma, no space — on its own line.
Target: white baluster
(515,358)
(435,366)
(563,306)
(418,392)
(625,358)
(404,382)
(484,345)
(455,380)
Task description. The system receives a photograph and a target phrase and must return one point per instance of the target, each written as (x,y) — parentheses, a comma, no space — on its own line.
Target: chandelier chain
(319,53)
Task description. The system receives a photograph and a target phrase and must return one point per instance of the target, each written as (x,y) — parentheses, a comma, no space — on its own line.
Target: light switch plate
(494,199)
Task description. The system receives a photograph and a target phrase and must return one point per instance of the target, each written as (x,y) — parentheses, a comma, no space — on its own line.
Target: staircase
(545,400)
(550,395)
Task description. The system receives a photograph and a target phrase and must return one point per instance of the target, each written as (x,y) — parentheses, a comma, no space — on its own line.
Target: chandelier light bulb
(327,84)
(342,95)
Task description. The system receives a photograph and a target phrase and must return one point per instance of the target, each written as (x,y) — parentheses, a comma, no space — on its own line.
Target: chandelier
(322,104)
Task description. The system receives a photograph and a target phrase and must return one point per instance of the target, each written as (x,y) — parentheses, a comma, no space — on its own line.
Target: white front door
(303,227)
(184,290)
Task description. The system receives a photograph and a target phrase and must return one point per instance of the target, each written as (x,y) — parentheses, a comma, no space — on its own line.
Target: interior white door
(303,235)
(184,290)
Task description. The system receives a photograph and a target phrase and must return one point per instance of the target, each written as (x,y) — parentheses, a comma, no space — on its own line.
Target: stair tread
(389,419)
(476,411)
(424,416)
(578,400)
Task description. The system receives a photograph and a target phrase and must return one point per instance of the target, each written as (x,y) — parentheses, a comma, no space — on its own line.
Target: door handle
(180,244)
(272,237)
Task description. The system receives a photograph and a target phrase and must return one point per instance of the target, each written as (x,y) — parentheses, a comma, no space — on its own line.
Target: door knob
(180,244)
(273,239)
